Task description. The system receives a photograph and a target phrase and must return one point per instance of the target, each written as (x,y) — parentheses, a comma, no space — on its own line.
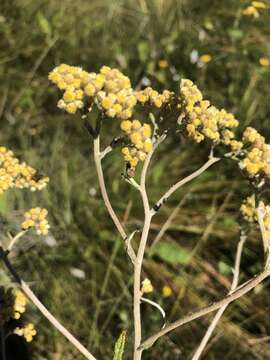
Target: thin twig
(129,247)
(14,239)
(29,293)
(106,151)
(103,190)
(156,305)
(240,291)
(220,312)
(140,254)
(164,198)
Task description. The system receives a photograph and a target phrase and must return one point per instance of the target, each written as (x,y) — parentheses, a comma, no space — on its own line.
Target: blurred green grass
(133,35)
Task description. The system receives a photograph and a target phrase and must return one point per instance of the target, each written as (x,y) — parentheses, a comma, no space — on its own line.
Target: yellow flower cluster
(205,121)
(252,10)
(140,137)
(257,157)
(36,217)
(28,332)
(20,302)
(16,174)
(264,61)
(248,209)
(147,286)
(249,212)
(12,304)
(109,87)
(71,79)
(153,97)
(117,97)
(266,219)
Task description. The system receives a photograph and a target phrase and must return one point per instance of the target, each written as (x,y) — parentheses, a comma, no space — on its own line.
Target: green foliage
(120,346)
(171,253)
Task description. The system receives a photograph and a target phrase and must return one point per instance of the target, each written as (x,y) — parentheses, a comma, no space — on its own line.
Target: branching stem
(180,183)
(220,312)
(208,309)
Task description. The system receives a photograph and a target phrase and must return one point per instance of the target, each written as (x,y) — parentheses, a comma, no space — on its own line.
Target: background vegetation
(195,259)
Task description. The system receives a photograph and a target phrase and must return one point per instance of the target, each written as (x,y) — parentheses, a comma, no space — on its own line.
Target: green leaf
(120,346)
(172,253)
(224,268)
(144,51)
(235,33)
(44,24)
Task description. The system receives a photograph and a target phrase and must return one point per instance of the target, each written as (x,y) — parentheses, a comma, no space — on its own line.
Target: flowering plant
(147,119)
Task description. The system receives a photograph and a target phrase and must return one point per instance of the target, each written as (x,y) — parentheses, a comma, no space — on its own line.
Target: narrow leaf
(119,346)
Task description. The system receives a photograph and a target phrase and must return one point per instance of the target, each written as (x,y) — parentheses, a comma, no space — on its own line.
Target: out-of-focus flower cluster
(36,217)
(166,291)
(147,286)
(140,138)
(16,174)
(13,304)
(254,9)
(28,331)
(203,120)
(19,303)
(248,209)
(256,161)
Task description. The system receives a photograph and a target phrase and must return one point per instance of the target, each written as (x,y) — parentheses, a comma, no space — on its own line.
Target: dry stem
(242,290)
(97,157)
(220,312)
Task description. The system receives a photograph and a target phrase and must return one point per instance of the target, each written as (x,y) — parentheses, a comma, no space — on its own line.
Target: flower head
(204,121)
(19,304)
(205,58)
(14,173)
(248,209)
(36,217)
(256,160)
(28,331)
(140,138)
(166,291)
(147,286)
(251,11)
(264,61)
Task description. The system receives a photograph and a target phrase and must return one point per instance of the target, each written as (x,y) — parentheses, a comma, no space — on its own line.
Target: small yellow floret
(264,61)
(126,125)
(205,58)
(166,291)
